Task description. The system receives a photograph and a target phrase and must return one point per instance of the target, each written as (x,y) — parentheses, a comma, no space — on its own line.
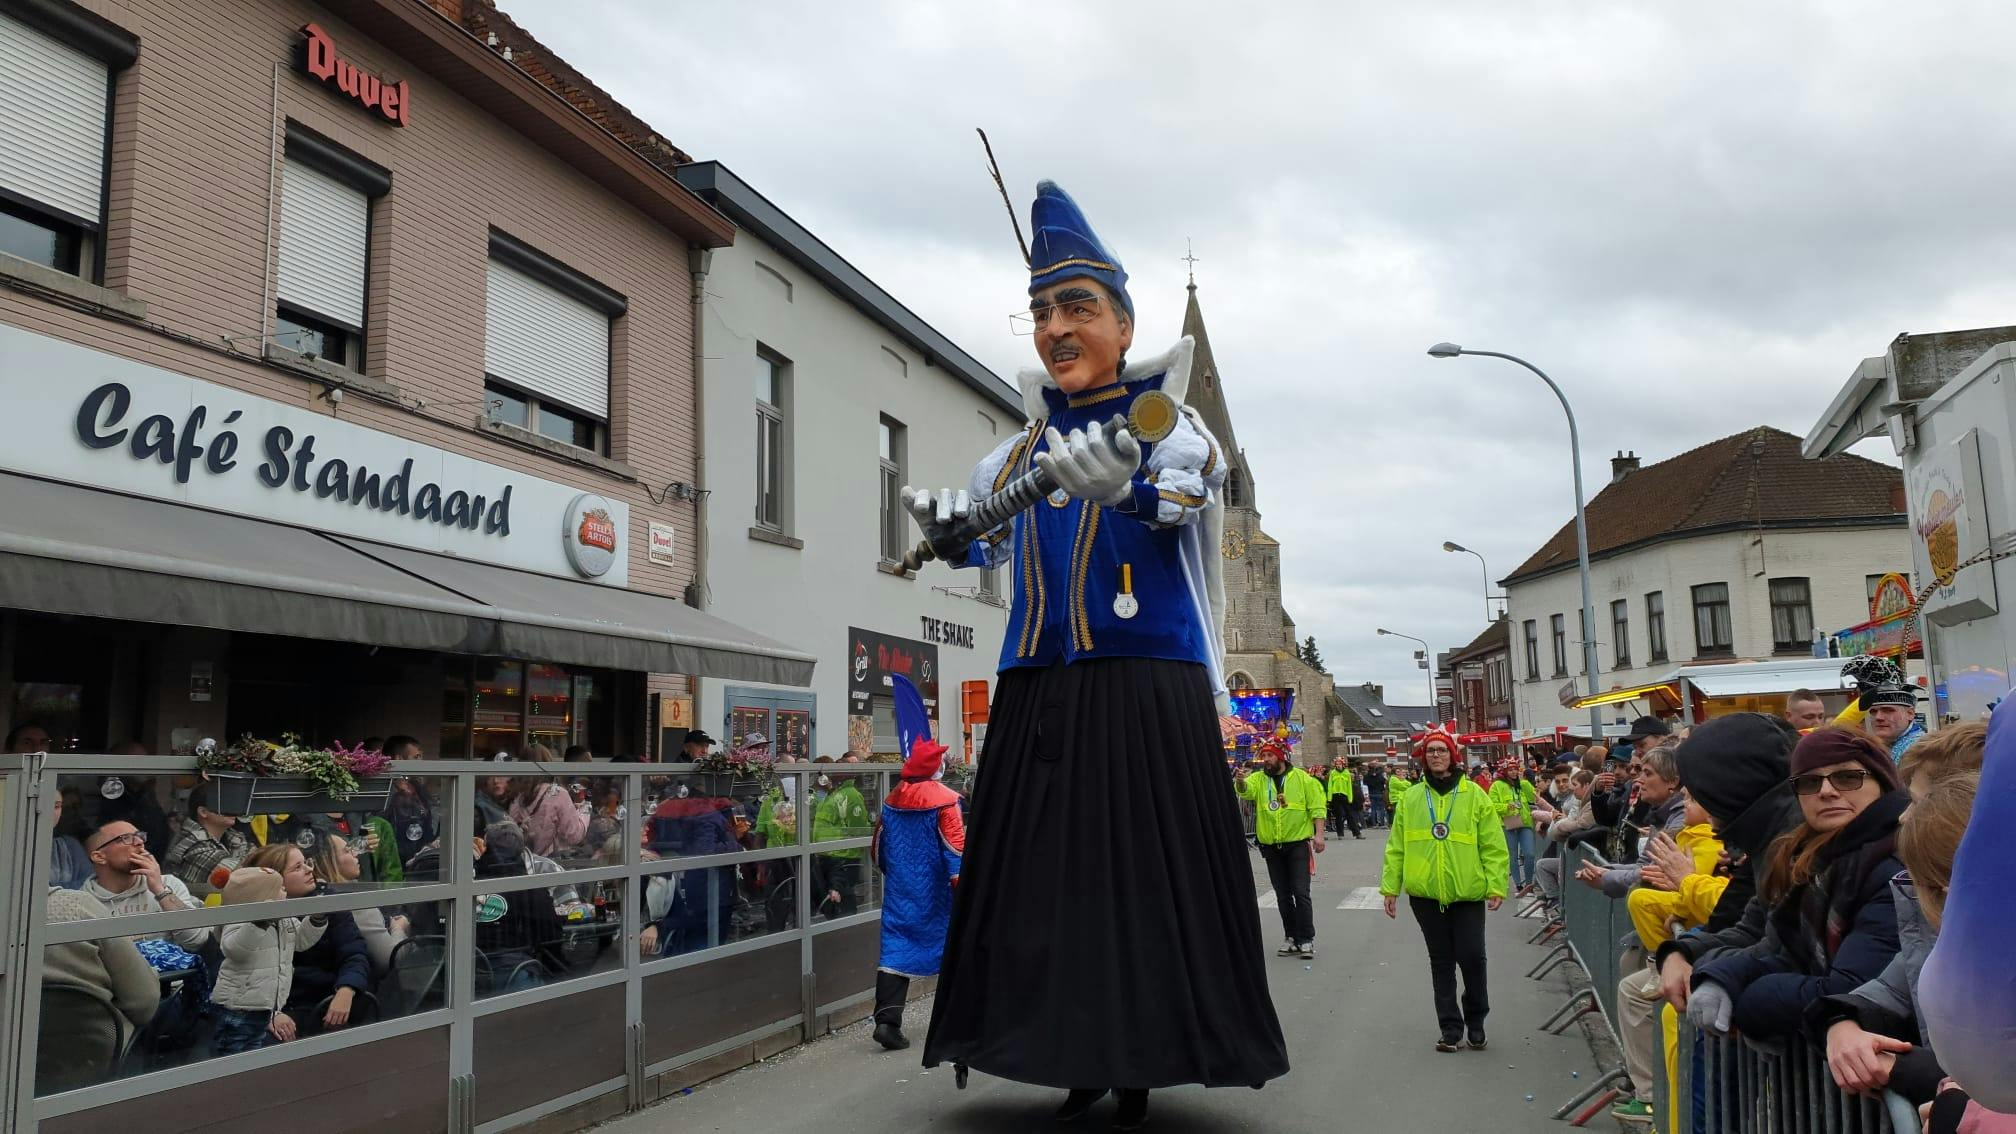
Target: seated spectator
(69,866)
(207,841)
(1875,1036)
(76,1049)
(336,865)
(518,933)
(134,799)
(410,810)
(258,971)
(1833,924)
(1665,810)
(578,754)
(28,737)
(128,880)
(553,825)
(337,966)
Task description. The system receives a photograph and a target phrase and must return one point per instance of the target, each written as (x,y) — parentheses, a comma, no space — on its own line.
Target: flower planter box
(236,793)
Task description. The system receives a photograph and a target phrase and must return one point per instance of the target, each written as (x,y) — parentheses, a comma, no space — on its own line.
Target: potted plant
(753,763)
(259,777)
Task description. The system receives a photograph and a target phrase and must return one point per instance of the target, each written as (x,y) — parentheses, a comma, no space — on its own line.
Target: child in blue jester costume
(918,846)
(1107,864)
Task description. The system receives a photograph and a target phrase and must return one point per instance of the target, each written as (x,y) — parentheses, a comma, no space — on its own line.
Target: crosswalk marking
(1268,901)
(1363,898)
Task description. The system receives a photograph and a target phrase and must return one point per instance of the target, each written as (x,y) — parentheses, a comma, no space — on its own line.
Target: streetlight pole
(1448,546)
(1434,705)
(1451,350)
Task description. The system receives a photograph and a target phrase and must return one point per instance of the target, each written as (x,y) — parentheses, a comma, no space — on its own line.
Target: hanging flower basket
(236,793)
(259,777)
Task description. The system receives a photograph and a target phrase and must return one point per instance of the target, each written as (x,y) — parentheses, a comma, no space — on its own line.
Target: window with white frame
(546,345)
(1712,630)
(1791,615)
(1559,624)
(1620,633)
(325,235)
(773,378)
(1655,625)
(55,116)
(1532,629)
(892,443)
(1351,745)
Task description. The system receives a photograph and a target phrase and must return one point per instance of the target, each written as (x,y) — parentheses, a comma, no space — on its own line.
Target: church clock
(1234,545)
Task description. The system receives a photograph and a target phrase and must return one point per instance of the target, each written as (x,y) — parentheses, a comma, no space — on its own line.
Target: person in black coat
(337,968)
(516,927)
(1737,768)
(1833,920)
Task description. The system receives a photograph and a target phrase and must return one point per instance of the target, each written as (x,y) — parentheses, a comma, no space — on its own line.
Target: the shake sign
(319,58)
(91,418)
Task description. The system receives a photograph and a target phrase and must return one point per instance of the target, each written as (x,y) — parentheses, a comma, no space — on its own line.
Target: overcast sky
(1697,218)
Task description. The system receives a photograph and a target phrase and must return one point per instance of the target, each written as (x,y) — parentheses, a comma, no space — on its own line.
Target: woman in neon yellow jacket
(1447,853)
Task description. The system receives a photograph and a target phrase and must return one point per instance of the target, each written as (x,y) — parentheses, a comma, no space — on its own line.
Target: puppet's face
(1081,334)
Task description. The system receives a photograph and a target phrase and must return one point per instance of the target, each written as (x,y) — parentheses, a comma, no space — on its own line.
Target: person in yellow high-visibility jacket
(1288,805)
(1447,853)
(1343,799)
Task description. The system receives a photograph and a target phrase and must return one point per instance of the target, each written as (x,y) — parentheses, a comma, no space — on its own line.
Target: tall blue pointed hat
(1063,246)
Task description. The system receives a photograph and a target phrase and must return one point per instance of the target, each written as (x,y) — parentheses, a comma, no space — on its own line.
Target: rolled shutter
(52,122)
(545,341)
(323,228)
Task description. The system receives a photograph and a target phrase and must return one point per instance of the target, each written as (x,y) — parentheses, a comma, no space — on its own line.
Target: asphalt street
(1359,1020)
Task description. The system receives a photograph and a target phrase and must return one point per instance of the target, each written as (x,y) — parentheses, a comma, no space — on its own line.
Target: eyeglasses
(1071,313)
(130,838)
(1844,781)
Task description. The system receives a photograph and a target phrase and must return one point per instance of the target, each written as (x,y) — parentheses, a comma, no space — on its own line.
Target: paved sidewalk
(1360,1026)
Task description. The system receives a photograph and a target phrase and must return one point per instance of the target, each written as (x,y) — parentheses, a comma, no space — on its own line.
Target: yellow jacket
(1292,815)
(1651,909)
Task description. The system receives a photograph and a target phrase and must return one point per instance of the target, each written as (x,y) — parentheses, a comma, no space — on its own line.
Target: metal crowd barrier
(1741,1087)
(1726,1085)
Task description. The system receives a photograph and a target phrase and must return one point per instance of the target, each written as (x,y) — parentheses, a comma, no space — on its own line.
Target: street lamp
(1451,350)
(1448,546)
(1434,705)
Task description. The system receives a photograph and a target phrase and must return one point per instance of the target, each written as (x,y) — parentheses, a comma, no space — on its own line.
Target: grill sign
(319,58)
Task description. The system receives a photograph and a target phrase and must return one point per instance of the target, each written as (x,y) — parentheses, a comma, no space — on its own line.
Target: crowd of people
(1783,875)
(117,851)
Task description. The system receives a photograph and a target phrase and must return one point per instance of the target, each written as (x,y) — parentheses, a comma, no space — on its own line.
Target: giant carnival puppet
(1103,936)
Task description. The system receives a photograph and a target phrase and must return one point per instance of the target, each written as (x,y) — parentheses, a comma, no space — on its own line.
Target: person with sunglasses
(1833,923)
(128,880)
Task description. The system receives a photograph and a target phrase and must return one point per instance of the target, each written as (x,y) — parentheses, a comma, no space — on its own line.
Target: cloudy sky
(1697,218)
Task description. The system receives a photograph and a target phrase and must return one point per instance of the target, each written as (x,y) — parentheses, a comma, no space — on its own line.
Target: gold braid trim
(1176,497)
(1110,393)
(1081,563)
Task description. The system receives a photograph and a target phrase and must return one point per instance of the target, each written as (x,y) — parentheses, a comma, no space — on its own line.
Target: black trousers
(1455,938)
(891,991)
(1288,872)
(1347,810)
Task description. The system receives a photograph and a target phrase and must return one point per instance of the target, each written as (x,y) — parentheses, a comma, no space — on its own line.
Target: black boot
(1077,1103)
(891,990)
(1133,1113)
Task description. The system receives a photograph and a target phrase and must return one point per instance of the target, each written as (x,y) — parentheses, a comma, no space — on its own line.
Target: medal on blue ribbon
(1440,827)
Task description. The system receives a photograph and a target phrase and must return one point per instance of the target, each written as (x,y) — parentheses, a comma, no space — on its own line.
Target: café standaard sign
(96,419)
(289,462)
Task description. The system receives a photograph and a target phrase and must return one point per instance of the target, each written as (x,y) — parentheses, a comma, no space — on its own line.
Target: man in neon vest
(1288,808)
(1343,800)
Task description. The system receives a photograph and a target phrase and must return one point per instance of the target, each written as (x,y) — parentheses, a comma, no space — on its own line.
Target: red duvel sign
(319,58)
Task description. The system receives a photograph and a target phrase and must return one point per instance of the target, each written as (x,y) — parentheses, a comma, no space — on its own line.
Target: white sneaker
(1287,949)
(1308,950)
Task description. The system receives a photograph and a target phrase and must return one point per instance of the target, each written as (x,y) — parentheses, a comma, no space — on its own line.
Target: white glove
(935,514)
(1086,467)
(1709,1008)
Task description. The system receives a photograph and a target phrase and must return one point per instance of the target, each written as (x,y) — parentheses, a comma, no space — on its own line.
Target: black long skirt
(1106,932)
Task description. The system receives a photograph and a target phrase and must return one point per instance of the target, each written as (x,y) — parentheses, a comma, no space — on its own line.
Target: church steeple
(1207,396)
